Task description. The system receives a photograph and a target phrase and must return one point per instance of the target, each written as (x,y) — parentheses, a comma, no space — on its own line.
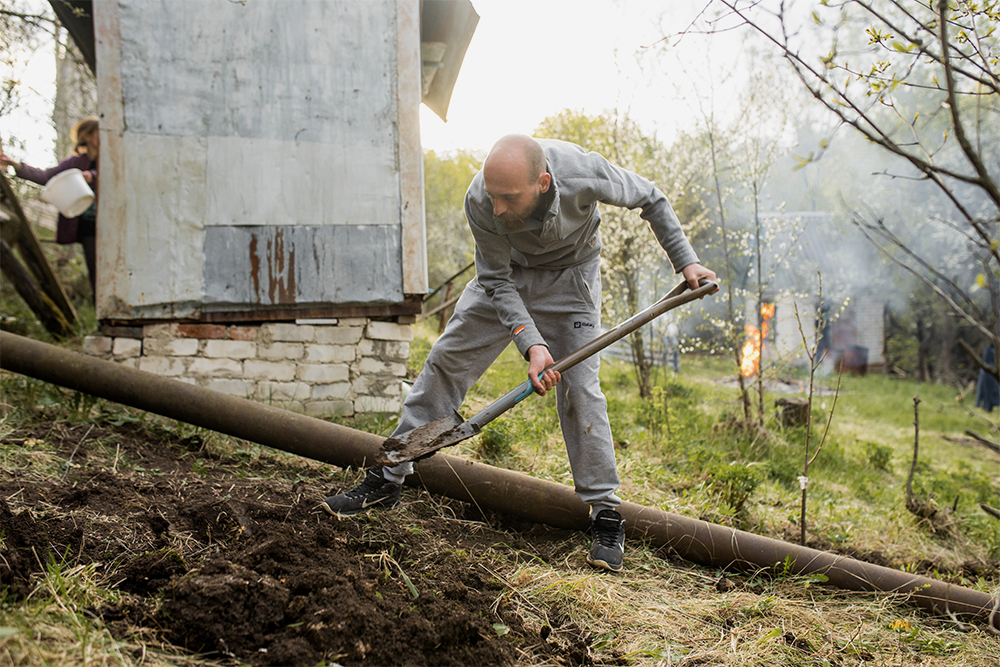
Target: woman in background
(83,229)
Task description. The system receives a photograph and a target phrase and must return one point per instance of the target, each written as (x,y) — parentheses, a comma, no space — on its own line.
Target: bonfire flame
(750,364)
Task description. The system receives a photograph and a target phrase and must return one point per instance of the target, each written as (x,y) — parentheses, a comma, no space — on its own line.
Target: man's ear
(544,181)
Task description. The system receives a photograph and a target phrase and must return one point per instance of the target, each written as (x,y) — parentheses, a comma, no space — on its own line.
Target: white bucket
(68,191)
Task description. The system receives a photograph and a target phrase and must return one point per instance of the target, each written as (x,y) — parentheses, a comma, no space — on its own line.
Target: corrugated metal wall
(257,154)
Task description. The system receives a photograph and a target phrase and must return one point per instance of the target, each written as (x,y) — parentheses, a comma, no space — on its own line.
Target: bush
(879,456)
(733,484)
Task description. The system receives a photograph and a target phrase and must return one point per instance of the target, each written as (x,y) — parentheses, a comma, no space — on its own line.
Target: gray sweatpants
(566,308)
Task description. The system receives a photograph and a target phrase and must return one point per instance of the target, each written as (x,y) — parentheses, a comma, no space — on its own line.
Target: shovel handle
(675,297)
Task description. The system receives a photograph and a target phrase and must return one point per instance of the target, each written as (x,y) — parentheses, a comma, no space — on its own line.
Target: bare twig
(812,352)
(916,449)
(983,441)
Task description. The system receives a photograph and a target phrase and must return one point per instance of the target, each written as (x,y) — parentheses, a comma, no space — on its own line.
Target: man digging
(533,213)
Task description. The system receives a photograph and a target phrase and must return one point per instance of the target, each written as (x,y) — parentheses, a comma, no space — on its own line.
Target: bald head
(515,177)
(516,156)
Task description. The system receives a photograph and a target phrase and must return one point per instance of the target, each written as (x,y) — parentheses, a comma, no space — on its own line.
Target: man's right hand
(540,359)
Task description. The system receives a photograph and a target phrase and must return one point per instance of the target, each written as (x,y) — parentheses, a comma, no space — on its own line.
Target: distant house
(851,271)
(261,204)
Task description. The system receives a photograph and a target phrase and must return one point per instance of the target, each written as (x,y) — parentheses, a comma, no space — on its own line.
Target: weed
(496,441)
(733,484)
(879,456)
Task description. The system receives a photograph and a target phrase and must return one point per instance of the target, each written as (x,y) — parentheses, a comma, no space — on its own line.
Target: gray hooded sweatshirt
(567,235)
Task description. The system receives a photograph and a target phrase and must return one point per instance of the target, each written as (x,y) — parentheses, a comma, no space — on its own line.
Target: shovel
(424,440)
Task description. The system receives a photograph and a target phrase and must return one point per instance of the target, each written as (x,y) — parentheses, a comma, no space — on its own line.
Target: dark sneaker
(608,529)
(375,491)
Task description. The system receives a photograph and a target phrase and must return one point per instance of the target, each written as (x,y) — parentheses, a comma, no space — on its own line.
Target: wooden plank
(51,317)
(27,243)
(402,312)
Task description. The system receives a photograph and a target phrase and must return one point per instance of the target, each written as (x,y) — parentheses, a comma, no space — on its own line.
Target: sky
(528,59)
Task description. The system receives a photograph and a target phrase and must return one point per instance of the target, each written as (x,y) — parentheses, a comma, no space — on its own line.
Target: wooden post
(448,289)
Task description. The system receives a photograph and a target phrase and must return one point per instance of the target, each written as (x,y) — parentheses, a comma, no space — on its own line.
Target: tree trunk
(947,334)
(922,371)
(76,91)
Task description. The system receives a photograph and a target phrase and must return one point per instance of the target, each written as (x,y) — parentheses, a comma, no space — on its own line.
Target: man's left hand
(694,272)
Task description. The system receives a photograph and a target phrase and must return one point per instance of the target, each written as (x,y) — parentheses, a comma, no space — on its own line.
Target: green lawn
(682,450)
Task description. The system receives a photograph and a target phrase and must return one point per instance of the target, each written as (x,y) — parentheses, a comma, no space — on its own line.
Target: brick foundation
(320,368)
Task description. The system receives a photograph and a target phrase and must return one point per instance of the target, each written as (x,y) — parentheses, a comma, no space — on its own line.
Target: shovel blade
(413,444)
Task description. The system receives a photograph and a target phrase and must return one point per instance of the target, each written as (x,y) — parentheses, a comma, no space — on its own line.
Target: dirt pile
(228,558)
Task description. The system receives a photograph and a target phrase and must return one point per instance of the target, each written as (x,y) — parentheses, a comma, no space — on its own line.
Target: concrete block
(225,368)
(363,385)
(126,347)
(271,392)
(165,366)
(233,387)
(269,370)
(329,408)
(232,349)
(159,330)
(171,347)
(326,354)
(368,365)
(276,351)
(323,373)
(376,404)
(283,331)
(128,362)
(327,391)
(353,321)
(339,335)
(389,331)
(291,406)
(387,350)
(97,346)
(370,385)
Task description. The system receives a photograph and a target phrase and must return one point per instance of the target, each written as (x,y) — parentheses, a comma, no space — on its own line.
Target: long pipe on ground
(485,486)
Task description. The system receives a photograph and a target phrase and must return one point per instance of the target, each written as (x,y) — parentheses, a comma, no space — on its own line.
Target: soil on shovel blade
(233,559)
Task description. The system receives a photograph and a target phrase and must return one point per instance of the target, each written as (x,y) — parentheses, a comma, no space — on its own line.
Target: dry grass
(656,613)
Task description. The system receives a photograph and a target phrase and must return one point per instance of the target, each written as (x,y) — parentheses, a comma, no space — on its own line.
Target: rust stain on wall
(254,268)
(272,268)
(294,265)
(281,265)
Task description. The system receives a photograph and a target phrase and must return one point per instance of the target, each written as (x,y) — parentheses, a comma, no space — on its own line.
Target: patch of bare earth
(233,559)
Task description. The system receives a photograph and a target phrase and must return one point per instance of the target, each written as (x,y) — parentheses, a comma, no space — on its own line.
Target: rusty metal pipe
(487,487)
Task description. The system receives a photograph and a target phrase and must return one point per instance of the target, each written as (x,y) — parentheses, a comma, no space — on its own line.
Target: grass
(677,451)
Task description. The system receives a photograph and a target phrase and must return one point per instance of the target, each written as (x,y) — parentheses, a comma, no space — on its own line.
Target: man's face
(514,198)
(512,209)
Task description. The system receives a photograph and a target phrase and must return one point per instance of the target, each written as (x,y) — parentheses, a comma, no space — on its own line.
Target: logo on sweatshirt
(583,325)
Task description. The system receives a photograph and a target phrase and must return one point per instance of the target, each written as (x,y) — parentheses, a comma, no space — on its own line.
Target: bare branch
(971,155)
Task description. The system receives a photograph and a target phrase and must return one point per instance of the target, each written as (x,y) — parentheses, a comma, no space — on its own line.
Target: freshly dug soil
(233,558)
